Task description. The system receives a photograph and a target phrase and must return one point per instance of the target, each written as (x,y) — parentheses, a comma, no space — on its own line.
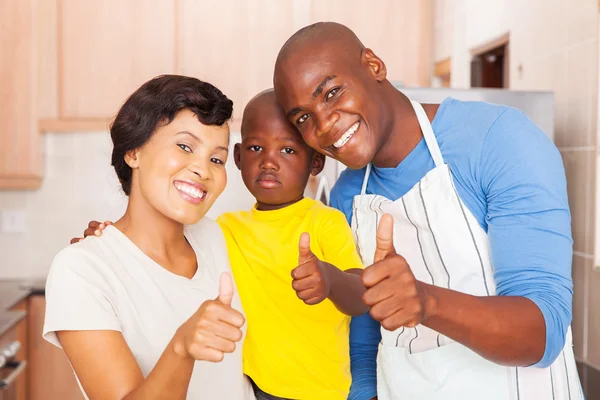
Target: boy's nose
(268,162)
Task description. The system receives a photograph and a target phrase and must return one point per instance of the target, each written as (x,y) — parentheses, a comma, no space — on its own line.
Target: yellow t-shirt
(292,350)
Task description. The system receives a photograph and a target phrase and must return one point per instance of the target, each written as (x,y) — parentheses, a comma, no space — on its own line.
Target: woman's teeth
(346,136)
(190,190)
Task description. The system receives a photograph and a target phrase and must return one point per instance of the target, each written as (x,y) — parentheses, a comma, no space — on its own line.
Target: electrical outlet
(12,221)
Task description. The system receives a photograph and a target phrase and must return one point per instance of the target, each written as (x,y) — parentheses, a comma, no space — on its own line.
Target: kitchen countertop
(11,293)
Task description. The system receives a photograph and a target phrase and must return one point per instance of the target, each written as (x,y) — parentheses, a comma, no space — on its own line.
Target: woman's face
(180,171)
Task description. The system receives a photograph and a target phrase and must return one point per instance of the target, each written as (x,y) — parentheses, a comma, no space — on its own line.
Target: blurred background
(66,66)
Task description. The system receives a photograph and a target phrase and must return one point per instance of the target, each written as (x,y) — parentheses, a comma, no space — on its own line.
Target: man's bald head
(330,34)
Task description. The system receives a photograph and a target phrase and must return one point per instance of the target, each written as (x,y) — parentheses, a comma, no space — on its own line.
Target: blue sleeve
(365,333)
(343,192)
(529,222)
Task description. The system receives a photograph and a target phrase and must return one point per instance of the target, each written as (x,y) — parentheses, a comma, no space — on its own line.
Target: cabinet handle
(18,367)
(9,352)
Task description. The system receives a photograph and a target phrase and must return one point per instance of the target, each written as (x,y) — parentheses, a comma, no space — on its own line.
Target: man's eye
(288,150)
(255,148)
(331,93)
(302,119)
(185,147)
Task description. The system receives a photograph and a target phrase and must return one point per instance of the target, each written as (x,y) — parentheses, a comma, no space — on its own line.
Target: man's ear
(375,64)
(132,158)
(318,163)
(237,155)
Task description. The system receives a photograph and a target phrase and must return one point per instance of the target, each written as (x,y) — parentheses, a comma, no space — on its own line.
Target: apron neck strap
(428,134)
(363,190)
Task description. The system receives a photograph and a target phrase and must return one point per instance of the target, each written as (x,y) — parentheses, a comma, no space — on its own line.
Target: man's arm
(523,183)
(365,335)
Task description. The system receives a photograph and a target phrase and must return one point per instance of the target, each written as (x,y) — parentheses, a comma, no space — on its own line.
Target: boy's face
(274,160)
(331,95)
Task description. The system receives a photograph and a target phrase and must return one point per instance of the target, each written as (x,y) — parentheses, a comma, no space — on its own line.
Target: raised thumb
(304,252)
(225,289)
(385,238)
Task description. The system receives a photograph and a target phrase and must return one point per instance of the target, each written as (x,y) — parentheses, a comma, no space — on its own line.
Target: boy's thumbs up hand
(310,280)
(396,298)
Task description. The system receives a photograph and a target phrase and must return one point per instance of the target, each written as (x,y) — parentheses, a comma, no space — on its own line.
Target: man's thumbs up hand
(309,278)
(396,298)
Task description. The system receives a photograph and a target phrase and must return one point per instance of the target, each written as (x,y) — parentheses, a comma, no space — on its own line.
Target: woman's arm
(107,368)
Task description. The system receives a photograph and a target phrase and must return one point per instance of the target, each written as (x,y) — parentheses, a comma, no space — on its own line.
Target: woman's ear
(132,158)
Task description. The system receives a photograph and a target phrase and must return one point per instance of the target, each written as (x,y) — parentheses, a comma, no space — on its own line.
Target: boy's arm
(315,280)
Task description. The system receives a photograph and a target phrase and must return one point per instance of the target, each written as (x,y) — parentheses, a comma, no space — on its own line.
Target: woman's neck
(161,238)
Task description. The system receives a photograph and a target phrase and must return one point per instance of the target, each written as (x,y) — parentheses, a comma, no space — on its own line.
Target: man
(471,266)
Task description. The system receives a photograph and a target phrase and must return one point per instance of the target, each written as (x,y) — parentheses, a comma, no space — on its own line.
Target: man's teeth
(190,190)
(346,136)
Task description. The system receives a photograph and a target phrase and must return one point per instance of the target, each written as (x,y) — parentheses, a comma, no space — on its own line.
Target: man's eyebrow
(293,112)
(316,93)
(319,88)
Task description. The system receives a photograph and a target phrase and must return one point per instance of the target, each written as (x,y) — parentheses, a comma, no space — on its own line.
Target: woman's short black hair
(157,102)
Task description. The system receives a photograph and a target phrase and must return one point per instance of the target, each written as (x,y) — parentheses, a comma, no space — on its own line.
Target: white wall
(79,185)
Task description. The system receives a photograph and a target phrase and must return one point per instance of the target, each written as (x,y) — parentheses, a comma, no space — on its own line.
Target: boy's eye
(302,119)
(216,161)
(288,150)
(255,148)
(331,93)
(185,147)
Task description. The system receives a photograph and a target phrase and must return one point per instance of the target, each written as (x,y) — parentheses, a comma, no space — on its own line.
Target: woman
(140,312)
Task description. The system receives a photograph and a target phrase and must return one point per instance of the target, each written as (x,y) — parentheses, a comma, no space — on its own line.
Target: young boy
(288,254)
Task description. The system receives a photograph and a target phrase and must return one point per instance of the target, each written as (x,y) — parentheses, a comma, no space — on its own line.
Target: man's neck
(403,130)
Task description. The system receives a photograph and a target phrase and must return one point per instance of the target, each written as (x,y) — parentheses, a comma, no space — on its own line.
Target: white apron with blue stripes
(445,246)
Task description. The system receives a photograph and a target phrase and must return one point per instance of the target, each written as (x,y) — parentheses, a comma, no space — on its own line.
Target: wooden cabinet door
(50,375)
(107,49)
(20,147)
(233,44)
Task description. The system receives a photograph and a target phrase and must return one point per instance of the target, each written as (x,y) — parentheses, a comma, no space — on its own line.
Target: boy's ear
(375,64)
(237,156)
(318,163)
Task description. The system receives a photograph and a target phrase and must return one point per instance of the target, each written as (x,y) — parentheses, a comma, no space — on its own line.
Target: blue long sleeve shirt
(511,177)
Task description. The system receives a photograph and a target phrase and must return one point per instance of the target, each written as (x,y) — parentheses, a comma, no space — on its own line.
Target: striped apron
(445,246)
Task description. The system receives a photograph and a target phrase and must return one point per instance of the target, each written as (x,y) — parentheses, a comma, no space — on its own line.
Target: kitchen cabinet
(13,355)
(235,45)
(109,48)
(20,146)
(51,376)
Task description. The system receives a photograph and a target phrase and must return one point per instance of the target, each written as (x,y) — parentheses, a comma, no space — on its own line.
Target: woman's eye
(302,119)
(216,161)
(288,150)
(331,93)
(255,148)
(185,147)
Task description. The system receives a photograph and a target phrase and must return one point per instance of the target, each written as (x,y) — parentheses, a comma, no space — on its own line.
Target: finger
(385,238)
(314,300)
(304,253)
(108,223)
(380,292)
(226,289)
(223,330)
(89,232)
(93,224)
(308,294)
(379,271)
(303,271)
(386,309)
(401,318)
(303,284)
(213,341)
(199,352)
(75,240)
